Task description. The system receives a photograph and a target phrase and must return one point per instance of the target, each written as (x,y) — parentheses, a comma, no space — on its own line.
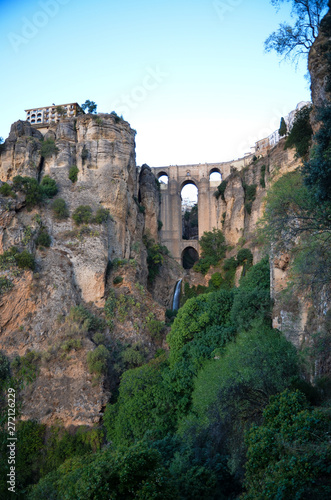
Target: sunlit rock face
(76,268)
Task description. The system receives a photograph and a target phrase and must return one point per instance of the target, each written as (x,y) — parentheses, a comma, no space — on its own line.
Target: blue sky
(190,76)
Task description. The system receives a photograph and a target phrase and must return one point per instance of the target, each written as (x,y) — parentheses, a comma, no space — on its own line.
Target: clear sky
(190,76)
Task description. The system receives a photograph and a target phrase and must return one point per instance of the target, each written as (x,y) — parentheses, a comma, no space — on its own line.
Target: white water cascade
(175,302)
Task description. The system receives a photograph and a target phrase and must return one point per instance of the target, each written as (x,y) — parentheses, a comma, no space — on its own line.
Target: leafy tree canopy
(291,41)
(89,106)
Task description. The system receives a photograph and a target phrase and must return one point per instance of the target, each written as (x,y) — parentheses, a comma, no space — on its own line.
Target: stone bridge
(171,209)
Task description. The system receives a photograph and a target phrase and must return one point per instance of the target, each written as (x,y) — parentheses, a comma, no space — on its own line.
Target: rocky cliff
(82,266)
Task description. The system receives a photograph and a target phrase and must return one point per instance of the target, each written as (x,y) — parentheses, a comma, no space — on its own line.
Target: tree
(301,133)
(90,106)
(288,454)
(293,41)
(282,128)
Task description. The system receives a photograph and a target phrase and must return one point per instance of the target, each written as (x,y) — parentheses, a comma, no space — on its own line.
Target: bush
(6,190)
(48,186)
(250,194)
(221,190)
(26,367)
(84,154)
(101,216)
(110,306)
(73,173)
(60,209)
(87,320)
(5,285)
(43,239)
(82,214)
(97,360)
(301,132)
(25,260)
(262,178)
(48,148)
(117,280)
(288,455)
(4,367)
(213,249)
(245,258)
(31,189)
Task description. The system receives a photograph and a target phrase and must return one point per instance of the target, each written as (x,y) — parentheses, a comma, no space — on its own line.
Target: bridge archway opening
(215,175)
(189,207)
(163,178)
(189,257)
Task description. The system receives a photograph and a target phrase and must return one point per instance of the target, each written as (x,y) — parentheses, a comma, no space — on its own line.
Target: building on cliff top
(42,118)
(263,146)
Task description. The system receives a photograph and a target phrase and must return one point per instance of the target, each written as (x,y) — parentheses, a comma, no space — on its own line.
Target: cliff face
(76,269)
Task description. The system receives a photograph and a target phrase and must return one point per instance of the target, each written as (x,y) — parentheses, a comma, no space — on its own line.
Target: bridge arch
(189,257)
(209,212)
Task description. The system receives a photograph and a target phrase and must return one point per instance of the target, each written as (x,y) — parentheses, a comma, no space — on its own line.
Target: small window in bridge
(215,176)
(164,179)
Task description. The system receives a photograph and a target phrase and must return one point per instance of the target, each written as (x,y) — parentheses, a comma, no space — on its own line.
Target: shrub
(98,360)
(301,132)
(48,148)
(60,209)
(245,258)
(82,316)
(117,280)
(110,307)
(262,178)
(82,214)
(159,224)
(4,367)
(288,455)
(43,239)
(31,189)
(221,190)
(84,154)
(6,190)
(73,173)
(25,260)
(26,367)
(250,194)
(5,285)
(48,186)
(101,216)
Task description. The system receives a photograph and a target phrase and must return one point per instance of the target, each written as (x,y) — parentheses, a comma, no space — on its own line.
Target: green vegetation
(48,148)
(73,173)
(97,360)
(317,169)
(60,209)
(84,154)
(221,190)
(262,178)
(102,215)
(48,186)
(5,285)
(43,239)
(117,280)
(301,133)
(6,190)
(287,455)
(282,128)
(35,193)
(250,194)
(26,368)
(155,255)
(89,106)
(293,41)
(82,214)
(213,248)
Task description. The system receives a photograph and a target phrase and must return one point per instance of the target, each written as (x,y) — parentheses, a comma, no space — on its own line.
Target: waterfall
(175,302)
